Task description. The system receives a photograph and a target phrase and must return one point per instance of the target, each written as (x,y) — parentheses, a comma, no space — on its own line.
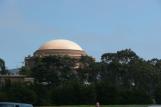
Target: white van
(9,104)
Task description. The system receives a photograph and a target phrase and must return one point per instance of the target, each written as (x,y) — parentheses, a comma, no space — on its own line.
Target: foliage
(119,78)
(53,70)
(2,67)
(18,93)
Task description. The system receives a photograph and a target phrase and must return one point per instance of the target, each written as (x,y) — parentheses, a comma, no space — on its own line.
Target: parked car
(11,104)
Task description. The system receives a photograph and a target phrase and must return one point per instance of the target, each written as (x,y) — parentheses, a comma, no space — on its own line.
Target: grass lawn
(101,106)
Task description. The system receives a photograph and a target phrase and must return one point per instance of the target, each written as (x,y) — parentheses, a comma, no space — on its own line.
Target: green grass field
(101,106)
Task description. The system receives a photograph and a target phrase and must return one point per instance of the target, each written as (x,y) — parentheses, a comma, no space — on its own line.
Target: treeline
(119,78)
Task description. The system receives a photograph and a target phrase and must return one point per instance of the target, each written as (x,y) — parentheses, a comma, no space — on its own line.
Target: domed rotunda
(58,47)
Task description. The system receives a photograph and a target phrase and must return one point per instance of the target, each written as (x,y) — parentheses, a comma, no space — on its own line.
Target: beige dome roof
(60,44)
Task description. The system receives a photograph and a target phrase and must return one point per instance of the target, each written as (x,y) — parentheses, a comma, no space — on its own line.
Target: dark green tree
(123,56)
(2,67)
(53,70)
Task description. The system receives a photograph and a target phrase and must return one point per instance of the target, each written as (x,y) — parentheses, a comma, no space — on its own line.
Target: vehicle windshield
(6,105)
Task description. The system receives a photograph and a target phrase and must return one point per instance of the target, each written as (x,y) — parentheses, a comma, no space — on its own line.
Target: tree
(53,70)
(127,72)
(2,67)
(123,56)
(73,92)
(18,93)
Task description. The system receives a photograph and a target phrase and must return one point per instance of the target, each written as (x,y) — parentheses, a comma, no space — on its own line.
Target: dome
(60,44)
(57,47)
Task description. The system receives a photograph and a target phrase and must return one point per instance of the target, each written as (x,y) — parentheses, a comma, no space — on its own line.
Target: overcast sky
(98,26)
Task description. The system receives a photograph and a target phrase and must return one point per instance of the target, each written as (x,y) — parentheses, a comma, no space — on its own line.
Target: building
(56,47)
(13,79)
